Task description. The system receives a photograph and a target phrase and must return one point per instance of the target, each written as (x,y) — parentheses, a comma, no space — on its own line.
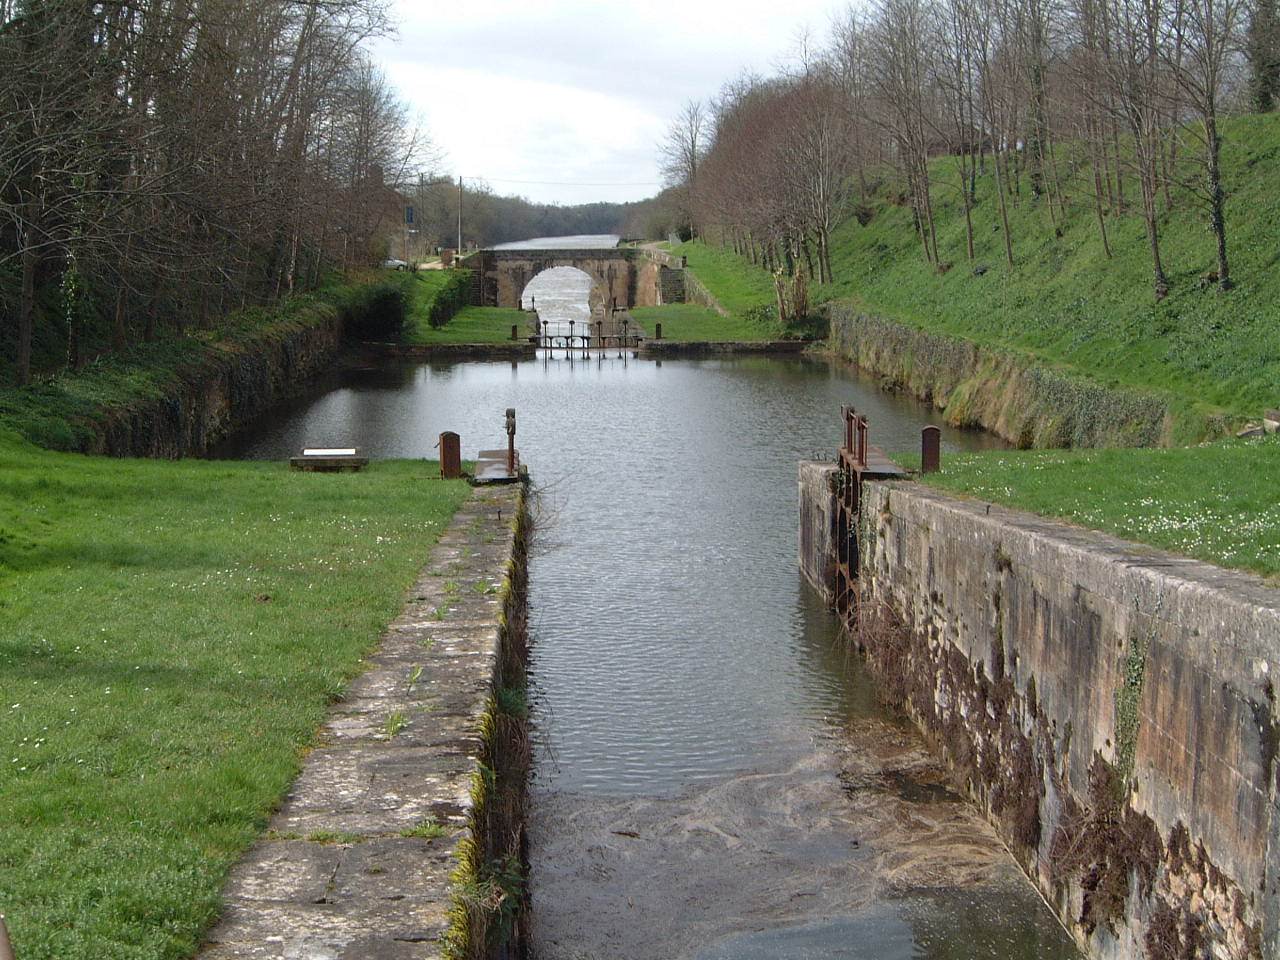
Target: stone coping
(664,349)
(357,860)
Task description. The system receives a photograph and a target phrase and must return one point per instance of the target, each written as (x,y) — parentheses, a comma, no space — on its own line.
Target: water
(560,295)
(586,241)
(714,776)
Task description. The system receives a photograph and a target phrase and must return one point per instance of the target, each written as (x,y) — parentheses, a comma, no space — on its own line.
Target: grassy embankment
(170,636)
(691,323)
(1066,305)
(744,291)
(62,411)
(437,313)
(1214,502)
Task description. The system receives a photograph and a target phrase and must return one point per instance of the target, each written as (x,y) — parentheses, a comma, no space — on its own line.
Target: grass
(691,323)
(1064,301)
(168,656)
(1214,502)
(742,289)
(472,325)
(59,411)
(427,829)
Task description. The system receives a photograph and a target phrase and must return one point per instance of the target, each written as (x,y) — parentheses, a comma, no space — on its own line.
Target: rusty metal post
(450,455)
(657,330)
(862,440)
(515,334)
(930,450)
(600,333)
(511,441)
(6,947)
(847,413)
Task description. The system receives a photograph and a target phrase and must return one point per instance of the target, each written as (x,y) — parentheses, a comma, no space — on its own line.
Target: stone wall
(1110,707)
(818,526)
(228,389)
(670,285)
(1028,404)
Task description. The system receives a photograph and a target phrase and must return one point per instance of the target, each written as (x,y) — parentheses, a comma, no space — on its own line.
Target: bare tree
(681,152)
(1211,34)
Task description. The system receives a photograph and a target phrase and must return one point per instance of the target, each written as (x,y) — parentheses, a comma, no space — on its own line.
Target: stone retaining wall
(228,390)
(1027,403)
(1110,707)
(672,349)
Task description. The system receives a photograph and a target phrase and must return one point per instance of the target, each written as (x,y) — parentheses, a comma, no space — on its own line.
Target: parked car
(395,264)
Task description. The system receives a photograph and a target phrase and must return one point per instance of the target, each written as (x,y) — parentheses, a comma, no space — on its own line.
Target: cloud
(573,93)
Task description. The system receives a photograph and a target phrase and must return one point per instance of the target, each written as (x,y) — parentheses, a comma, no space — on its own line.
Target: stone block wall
(1110,707)
(670,285)
(818,526)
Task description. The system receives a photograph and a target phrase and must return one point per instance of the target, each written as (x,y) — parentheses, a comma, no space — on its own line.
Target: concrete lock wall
(1110,707)
(818,526)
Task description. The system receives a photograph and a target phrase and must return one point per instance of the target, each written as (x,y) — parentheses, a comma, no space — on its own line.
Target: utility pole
(459,214)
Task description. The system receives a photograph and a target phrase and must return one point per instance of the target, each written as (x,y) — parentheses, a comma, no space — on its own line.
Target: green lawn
(742,289)
(1215,502)
(167,657)
(689,322)
(1064,301)
(473,325)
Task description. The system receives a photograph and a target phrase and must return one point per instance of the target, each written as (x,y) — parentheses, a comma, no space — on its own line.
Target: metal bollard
(515,332)
(511,441)
(450,455)
(657,330)
(6,948)
(930,450)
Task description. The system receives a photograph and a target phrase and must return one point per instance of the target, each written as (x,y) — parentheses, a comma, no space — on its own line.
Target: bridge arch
(626,276)
(564,292)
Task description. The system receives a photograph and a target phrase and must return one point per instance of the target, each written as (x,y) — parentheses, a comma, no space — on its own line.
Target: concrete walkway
(356,862)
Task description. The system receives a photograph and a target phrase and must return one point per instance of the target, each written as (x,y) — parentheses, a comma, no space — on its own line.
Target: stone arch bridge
(622,276)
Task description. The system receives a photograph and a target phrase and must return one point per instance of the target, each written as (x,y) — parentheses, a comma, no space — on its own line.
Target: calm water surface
(714,777)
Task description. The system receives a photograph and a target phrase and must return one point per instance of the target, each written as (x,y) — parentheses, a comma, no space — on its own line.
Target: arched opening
(563,294)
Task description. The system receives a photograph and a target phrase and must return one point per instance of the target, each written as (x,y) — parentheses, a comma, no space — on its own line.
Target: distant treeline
(488,218)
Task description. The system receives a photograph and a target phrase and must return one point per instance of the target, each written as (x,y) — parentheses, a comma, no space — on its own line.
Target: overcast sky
(576,93)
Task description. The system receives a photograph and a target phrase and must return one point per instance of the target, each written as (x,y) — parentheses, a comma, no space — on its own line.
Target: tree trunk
(968,214)
(27,306)
(1217,197)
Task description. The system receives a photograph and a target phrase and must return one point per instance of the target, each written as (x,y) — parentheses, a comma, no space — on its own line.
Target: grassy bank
(472,325)
(66,411)
(1214,502)
(689,322)
(742,289)
(167,658)
(432,299)
(1064,302)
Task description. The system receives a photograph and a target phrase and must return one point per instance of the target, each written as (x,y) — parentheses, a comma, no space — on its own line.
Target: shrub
(376,311)
(449,298)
